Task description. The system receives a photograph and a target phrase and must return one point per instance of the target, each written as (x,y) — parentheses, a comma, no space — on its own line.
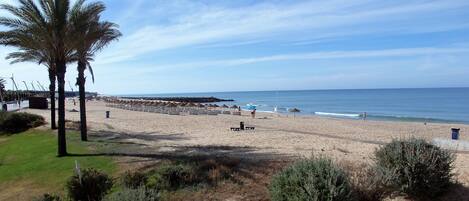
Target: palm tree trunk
(81,88)
(52,78)
(62,141)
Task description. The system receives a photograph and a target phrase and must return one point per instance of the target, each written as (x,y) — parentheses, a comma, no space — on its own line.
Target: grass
(29,160)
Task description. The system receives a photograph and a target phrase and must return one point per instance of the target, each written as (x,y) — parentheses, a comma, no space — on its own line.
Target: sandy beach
(274,136)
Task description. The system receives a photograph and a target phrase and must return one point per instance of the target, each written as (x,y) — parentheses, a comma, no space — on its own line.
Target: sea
(449,105)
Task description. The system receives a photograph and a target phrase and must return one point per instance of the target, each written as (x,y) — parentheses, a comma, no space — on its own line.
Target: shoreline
(431,105)
(384,119)
(378,120)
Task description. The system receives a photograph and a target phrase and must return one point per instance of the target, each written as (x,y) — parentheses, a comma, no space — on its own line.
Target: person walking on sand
(364,116)
(253,113)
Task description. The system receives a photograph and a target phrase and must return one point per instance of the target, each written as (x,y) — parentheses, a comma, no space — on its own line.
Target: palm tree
(90,36)
(48,24)
(40,56)
(2,89)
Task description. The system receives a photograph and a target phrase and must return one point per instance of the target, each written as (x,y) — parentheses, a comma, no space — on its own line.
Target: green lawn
(30,158)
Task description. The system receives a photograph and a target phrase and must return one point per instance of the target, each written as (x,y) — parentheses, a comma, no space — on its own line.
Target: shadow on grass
(187,153)
(127,138)
(138,149)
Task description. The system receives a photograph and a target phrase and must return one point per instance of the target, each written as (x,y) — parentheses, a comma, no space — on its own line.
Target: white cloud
(309,20)
(402,52)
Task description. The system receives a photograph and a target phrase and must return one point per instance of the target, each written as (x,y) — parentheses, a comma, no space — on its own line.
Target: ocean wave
(413,119)
(265,111)
(337,114)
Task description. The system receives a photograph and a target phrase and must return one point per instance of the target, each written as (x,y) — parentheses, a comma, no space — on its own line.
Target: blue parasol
(251,106)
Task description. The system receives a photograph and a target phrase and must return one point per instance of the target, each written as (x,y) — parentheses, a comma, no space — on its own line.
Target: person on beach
(364,116)
(253,113)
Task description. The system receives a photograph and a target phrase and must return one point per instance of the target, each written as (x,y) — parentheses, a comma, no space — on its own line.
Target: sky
(182,46)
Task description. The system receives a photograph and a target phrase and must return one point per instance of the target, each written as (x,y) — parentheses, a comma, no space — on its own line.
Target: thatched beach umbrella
(294,110)
(234,107)
(224,106)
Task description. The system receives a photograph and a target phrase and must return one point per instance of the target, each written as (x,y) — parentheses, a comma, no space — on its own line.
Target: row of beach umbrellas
(165,103)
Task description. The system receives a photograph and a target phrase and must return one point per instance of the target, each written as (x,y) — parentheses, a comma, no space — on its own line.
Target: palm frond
(91,71)
(89,33)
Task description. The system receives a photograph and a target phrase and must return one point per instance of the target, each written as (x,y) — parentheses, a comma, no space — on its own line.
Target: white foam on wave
(337,114)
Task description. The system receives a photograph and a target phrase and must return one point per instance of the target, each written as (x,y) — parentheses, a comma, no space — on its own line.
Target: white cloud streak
(307,20)
(387,53)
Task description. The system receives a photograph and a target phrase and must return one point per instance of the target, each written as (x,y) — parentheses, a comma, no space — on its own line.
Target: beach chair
(236,113)
(212,113)
(249,128)
(173,112)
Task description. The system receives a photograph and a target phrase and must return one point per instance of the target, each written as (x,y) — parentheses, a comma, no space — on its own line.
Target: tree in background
(47,22)
(90,36)
(2,89)
(38,54)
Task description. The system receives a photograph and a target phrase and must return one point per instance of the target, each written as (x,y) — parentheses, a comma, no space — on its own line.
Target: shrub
(369,183)
(171,177)
(88,185)
(134,180)
(13,122)
(3,115)
(138,194)
(216,170)
(419,168)
(48,197)
(317,179)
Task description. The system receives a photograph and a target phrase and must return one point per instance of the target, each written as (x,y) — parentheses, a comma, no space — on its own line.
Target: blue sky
(202,46)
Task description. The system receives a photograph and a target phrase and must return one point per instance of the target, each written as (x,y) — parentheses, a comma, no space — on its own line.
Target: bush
(216,170)
(13,122)
(172,177)
(181,174)
(134,180)
(317,179)
(89,185)
(48,197)
(369,183)
(419,168)
(139,194)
